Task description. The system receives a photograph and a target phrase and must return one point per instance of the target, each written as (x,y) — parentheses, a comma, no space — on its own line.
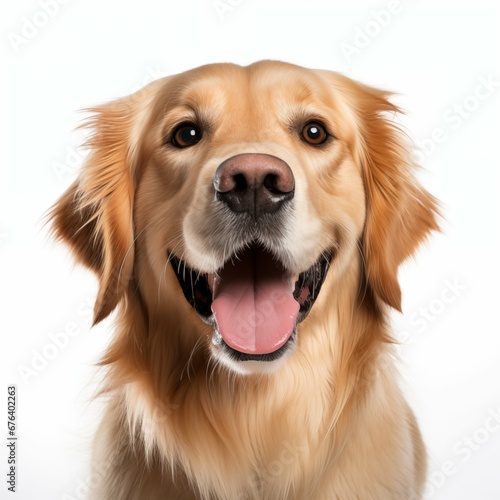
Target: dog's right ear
(76,226)
(94,216)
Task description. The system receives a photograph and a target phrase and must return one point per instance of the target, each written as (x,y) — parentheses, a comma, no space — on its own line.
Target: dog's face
(245,194)
(259,193)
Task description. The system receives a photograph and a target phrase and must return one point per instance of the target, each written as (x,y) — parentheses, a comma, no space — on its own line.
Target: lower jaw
(238,357)
(251,367)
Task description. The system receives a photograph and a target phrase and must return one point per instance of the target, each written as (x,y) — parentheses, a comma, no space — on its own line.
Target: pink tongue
(253,303)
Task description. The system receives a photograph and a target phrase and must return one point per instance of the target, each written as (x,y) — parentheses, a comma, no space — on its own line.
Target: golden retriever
(248,222)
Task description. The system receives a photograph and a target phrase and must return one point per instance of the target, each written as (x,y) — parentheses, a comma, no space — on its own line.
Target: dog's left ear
(400,213)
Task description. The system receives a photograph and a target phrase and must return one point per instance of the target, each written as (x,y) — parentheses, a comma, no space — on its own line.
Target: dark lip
(242,356)
(196,290)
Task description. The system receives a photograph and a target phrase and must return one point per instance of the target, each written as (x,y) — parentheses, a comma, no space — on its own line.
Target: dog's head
(241,190)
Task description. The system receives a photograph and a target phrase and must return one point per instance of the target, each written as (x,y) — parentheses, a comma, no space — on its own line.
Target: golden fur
(330,422)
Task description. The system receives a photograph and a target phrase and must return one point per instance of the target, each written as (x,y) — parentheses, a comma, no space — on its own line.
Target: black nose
(254,183)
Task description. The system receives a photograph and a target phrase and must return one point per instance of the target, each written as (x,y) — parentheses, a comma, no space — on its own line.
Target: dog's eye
(314,133)
(185,135)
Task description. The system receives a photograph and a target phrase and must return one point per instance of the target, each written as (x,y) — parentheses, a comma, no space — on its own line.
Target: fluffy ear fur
(400,213)
(94,216)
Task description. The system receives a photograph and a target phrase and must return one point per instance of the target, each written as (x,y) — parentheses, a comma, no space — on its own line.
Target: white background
(433,54)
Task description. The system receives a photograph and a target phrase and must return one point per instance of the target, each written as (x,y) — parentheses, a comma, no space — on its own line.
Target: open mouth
(253,303)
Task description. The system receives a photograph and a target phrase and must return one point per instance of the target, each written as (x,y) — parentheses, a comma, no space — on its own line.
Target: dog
(247,223)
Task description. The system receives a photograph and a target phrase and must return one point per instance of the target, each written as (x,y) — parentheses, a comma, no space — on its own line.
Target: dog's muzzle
(254,302)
